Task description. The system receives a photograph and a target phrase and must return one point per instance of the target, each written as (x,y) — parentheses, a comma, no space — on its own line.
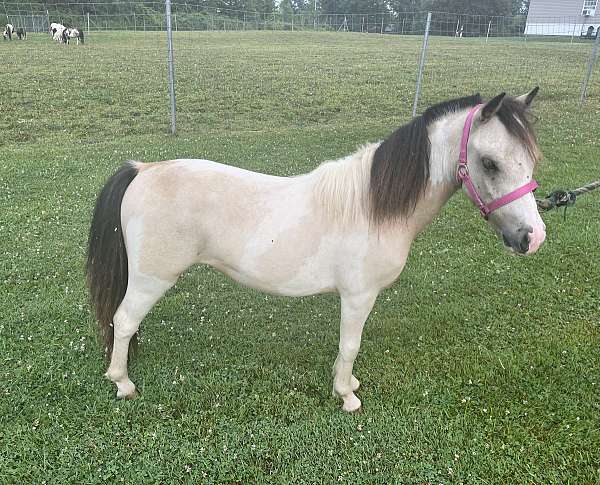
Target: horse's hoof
(126,390)
(351,404)
(134,395)
(131,395)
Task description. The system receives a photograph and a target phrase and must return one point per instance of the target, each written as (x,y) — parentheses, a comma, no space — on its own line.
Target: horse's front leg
(355,310)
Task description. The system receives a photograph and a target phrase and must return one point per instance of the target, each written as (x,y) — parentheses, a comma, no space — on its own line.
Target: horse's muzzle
(519,240)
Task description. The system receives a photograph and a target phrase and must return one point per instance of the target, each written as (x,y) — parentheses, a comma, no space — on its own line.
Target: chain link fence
(462,54)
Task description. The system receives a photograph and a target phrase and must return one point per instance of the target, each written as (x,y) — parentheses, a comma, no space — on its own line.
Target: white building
(563,17)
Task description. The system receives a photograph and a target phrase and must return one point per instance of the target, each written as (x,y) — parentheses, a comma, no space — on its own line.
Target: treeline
(471,7)
(464,18)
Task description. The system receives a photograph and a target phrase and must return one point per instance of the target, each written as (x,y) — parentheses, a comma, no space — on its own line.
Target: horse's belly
(263,282)
(294,261)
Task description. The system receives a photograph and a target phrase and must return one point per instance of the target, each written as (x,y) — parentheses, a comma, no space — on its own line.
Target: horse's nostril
(524,243)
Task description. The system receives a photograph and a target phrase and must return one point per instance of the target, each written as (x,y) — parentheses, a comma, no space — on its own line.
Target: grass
(476,366)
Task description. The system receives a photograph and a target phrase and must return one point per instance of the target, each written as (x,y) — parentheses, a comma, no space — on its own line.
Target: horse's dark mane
(400,167)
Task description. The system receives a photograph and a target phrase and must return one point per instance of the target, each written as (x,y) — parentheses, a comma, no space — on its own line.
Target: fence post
(170,62)
(589,69)
(88,23)
(421,64)
(488,32)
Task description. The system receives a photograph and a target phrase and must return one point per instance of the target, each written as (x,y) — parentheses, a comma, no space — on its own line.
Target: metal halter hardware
(463,177)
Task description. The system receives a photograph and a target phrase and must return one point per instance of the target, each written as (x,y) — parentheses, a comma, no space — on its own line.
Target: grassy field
(476,366)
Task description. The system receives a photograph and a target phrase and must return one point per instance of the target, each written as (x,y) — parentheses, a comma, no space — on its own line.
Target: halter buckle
(485,211)
(462,172)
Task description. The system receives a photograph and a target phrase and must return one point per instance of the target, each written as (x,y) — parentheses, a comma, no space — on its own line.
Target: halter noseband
(463,177)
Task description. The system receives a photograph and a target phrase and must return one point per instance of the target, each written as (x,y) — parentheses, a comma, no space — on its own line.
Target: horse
(9,30)
(54,26)
(345,227)
(72,33)
(56,31)
(21,33)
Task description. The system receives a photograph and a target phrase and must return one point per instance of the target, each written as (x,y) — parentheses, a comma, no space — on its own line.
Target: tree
(399,6)
(472,7)
(302,5)
(520,7)
(354,6)
(286,10)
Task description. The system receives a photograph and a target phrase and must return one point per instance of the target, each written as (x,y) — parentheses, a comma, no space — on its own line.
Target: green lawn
(476,366)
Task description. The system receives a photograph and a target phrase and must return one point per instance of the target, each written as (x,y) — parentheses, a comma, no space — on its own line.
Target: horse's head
(502,153)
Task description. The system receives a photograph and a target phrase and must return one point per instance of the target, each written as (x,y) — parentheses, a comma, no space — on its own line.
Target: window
(589,7)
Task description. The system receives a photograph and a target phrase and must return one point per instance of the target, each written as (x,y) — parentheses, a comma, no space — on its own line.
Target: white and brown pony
(72,33)
(345,227)
(9,31)
(54,26)
(56,31)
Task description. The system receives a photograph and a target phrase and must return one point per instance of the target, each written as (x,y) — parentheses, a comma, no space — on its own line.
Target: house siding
(559,17)
(556,8)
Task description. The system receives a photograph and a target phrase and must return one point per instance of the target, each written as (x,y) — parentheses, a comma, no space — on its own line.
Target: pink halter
(463,177)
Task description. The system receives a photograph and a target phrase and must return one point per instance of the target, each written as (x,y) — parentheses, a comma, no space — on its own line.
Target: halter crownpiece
(463,177)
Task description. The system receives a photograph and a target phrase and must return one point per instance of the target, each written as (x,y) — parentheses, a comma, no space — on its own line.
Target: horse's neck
(444,136)
(341,186)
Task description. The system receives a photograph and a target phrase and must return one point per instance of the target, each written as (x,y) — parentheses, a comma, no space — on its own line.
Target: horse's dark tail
(81,36)
(106,267)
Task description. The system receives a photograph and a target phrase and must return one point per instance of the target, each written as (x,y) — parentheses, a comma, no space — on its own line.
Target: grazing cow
(21,33)
(9,30)
(72,33)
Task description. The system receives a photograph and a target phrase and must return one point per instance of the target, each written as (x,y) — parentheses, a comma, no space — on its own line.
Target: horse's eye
(489,164)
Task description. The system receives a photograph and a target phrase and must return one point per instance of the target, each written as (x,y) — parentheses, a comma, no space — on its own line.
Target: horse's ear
(491,107)
(526,99)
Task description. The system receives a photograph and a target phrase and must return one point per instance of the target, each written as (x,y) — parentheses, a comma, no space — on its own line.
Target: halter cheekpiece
(463,177)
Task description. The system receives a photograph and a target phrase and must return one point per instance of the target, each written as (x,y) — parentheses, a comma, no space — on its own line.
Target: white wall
(547,28)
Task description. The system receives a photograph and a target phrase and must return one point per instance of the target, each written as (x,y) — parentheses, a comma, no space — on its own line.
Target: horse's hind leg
(142,293)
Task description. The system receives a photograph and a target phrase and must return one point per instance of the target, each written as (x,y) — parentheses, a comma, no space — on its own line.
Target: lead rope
(564,198)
